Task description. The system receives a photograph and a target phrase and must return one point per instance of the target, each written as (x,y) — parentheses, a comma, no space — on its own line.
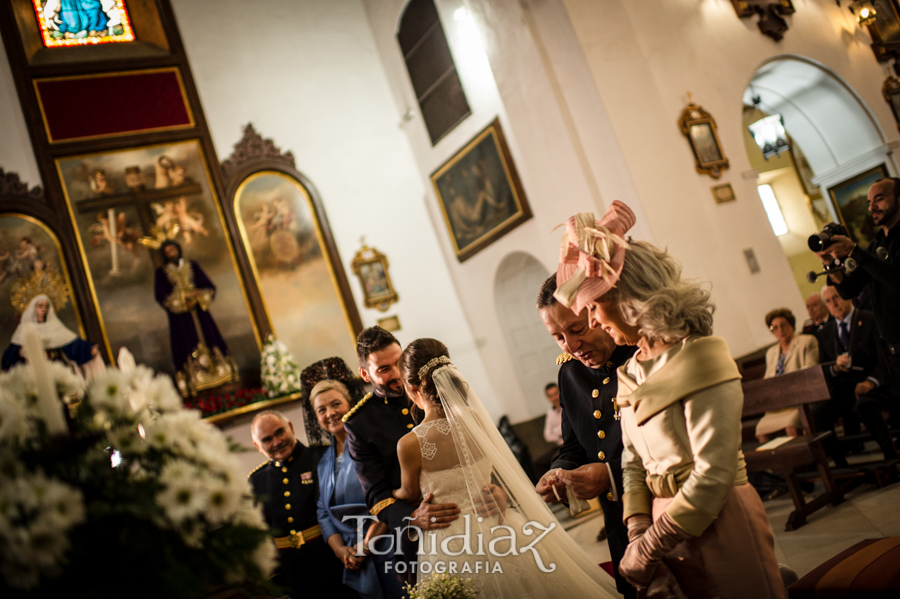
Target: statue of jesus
(198,350)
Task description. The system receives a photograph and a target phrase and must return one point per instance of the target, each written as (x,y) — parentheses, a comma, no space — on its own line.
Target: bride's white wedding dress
(521,553)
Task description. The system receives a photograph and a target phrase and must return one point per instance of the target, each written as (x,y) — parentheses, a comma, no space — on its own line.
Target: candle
(48,401)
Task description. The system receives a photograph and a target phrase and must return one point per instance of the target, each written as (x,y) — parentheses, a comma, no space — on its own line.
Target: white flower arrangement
(280,372)
(172,509)
(444,586)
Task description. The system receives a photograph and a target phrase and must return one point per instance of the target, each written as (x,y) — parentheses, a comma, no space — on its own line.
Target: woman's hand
(348,557)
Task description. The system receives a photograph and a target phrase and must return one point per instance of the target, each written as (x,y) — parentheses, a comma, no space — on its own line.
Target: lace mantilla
(432,364)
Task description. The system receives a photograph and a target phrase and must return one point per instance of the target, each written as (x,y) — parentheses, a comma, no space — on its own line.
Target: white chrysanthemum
(162,395)
(69,386)
(182,497)
(126,439)
(108,392)
(224,500)
(14,423)
(265,557)
(140,380)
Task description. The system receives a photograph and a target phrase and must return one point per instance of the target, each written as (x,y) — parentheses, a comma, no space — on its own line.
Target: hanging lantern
(770,136)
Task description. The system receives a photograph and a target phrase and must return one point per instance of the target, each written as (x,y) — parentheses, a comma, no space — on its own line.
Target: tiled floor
(867,512)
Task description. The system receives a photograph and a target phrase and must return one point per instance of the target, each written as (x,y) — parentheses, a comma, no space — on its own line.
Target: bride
(506,539)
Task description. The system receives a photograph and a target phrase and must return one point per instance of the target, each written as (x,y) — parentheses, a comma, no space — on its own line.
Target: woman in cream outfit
(696,527)
(792,352)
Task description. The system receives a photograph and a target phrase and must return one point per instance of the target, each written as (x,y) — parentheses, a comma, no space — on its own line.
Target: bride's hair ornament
(432,364)
(592,255)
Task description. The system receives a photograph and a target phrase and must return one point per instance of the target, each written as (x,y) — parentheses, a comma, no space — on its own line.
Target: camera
(818,242)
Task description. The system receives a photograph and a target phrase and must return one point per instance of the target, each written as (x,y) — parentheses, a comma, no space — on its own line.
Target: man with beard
(374,425)
(185,293)
(590,460)
(286,484)
(878,272)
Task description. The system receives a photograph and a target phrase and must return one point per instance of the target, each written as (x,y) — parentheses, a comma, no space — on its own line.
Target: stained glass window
(83,22)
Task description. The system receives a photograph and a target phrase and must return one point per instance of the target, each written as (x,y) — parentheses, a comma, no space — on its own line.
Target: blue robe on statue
(340,494)
(79,351)
(82,15)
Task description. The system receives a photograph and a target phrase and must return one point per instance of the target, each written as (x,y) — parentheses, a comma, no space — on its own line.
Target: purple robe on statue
(182,332)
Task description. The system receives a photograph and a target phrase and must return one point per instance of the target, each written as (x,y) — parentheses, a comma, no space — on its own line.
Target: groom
(591,456)
(374,425)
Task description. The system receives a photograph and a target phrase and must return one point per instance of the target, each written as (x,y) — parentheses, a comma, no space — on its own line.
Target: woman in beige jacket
(696,527)
(792,352)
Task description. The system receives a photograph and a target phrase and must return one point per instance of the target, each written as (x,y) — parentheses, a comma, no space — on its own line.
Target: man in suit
(858,375)
(818,314)
(374,425)
(590,458)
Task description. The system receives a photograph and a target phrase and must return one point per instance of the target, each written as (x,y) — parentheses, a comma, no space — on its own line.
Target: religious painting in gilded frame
(31,264)
(371,266)
(124,206)
(294,274)
(480,194)
(84,22)
(850,199)
(700,129)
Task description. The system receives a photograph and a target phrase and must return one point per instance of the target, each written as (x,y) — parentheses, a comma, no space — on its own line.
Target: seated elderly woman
(341,495)
(792,352)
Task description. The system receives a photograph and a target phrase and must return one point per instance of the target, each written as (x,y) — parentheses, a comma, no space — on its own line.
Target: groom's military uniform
(591,434)
(374,425)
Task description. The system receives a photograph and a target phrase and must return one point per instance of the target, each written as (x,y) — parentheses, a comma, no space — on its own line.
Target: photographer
(877,272)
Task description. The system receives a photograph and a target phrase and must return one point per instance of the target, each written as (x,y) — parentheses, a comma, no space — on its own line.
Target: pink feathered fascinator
(592,255)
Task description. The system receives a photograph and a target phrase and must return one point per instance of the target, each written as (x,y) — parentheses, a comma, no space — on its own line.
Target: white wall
(16,153)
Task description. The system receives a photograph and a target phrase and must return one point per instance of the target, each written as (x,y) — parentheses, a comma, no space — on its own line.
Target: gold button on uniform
(409,426)
(405,411)
(601,434)
(285,481)
(290,519)
(598,414)
(609,496)
(284,469)
(601,455)
(287,506)
(277,464)
(595,393)
(608,364)
(287,493)
(606,381)
(293,532)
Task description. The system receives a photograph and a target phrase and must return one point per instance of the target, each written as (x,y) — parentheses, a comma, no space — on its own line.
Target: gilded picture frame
(850,200)
(292,269)
(891,93)
(371,266)
(480,193)
(20,233)
(700,129)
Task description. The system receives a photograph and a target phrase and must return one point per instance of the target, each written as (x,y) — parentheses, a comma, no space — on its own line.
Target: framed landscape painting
(850,199)
(480,194)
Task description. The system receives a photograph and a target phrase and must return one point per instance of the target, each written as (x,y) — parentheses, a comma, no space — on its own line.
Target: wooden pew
(795,389)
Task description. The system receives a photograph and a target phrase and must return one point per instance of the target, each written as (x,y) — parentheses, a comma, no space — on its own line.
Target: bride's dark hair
(416,355)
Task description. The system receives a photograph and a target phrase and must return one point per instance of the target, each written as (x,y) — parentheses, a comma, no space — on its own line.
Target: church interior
(231,191)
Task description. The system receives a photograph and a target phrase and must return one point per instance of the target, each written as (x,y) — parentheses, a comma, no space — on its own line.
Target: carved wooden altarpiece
(130,109)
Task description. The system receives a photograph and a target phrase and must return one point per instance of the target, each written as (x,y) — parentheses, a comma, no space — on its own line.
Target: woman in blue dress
(340,495)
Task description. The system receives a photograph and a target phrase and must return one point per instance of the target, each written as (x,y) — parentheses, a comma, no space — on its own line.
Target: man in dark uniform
(878,275)
(374,425)
(591,455)
(287,486)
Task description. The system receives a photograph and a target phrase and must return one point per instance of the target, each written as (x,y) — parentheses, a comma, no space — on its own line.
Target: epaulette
(252,472)
(358,405)
(563,358)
